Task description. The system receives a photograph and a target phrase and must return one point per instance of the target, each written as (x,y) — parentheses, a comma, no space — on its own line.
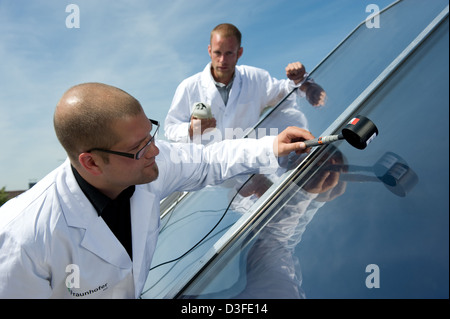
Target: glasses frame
(138,154)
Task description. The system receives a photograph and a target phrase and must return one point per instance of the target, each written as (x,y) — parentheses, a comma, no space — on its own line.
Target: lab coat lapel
(100,240)
(79,213)
(144,207)
(235,89)
(210,90)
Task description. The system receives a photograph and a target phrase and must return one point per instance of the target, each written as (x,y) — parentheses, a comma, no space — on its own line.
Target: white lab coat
(253,89)
(51,237)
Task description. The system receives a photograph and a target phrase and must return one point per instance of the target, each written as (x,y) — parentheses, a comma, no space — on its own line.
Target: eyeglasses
(139,153)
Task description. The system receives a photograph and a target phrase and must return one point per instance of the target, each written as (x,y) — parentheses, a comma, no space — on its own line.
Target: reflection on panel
(342,222)
(359,224)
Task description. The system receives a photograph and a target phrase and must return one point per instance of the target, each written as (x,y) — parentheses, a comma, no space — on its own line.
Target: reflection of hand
(256,186)
(200,125)
(326,182)
(334,192)
(315,94)
(322,182)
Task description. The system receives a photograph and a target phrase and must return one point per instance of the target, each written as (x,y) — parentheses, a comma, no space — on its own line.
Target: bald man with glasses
(89,228)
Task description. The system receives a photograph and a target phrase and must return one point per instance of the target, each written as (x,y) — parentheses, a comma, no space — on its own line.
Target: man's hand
(290,140)
(295,72)
(198,126)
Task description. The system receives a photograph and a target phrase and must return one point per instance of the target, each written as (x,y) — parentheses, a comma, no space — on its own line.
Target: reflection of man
(272,269)
(237,94)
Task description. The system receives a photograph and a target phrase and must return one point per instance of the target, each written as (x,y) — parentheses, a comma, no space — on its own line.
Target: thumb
(298,147)
(282,148)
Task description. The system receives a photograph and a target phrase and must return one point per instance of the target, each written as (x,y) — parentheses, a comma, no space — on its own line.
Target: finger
(297,147)
(296,134)
(283,149)
(294,68)
(303,149)
(210,123)
(291,139)
(331,181)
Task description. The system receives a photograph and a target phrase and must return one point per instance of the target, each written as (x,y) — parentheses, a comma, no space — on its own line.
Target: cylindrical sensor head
(359,132)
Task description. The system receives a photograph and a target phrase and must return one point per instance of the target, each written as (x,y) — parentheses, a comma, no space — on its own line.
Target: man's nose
(151,151)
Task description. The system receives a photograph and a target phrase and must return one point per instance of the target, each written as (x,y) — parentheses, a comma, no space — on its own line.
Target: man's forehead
(228,43)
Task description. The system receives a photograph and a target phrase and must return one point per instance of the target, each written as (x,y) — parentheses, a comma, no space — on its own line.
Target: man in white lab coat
(89,228)
(237,94)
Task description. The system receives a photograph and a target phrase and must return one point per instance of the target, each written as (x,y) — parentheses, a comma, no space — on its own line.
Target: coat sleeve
(276,89)
(21,274)
(267,89)
(189,166)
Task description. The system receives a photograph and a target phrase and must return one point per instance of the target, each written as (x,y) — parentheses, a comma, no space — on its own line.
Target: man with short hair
(237,94)
(89,228)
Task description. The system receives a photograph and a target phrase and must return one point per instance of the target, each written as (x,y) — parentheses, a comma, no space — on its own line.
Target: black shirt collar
(99,200)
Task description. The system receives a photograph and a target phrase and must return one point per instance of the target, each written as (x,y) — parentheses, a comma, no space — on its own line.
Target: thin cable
(212,229)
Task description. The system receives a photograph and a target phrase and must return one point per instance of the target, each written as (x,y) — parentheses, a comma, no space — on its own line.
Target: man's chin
(151,177)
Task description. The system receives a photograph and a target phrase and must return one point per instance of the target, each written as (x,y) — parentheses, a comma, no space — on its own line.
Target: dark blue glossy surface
(383,230)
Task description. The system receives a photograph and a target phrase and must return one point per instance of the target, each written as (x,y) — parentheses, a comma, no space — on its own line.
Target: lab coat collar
(209,85)
(236,88)
(79,213)
(207,78)
(98,238)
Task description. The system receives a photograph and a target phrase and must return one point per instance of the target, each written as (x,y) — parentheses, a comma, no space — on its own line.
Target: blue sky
(145,47)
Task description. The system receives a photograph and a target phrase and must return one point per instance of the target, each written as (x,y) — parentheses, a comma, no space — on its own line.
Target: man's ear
(240,52)
(90,163)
